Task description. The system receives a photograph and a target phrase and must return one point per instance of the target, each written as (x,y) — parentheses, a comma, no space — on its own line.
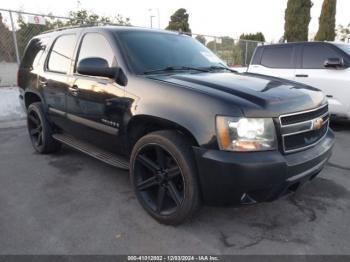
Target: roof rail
(70,27)
(106,24)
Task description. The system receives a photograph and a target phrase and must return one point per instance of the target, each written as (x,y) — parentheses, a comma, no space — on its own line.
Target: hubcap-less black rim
(159,181)
(35,128)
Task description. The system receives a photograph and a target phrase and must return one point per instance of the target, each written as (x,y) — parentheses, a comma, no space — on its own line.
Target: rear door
(333,82)
(275,60)
(54,80)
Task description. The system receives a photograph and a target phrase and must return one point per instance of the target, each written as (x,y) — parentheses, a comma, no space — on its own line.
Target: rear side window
(314,56)
(278,57)
(96,45)
(33,53)
(61,54)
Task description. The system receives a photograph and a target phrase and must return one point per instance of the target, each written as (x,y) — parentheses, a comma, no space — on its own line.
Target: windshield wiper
(175,68)
(219,67)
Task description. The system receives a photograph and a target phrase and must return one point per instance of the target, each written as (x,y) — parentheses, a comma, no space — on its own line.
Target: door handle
(74,90)
(301,75)
(43,83)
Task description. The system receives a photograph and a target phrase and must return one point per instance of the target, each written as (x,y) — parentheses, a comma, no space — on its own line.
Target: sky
(217,18)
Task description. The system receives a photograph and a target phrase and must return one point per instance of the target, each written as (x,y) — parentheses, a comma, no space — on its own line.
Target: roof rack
(108,24)
(69,27)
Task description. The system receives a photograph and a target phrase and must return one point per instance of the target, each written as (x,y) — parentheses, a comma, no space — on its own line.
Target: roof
(108,28)
(303,43)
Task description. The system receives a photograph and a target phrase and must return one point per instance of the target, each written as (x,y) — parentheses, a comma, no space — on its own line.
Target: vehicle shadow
(340,125)
(291,219)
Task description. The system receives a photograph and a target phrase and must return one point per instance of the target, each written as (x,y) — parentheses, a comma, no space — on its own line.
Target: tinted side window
(33,53)
(61,54)
(96,45)
(278,57)
(314,56)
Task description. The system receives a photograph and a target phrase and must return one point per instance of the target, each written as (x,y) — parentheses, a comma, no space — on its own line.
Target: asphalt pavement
(69,203)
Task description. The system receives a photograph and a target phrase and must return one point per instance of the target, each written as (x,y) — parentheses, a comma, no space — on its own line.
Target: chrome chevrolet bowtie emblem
(317,123)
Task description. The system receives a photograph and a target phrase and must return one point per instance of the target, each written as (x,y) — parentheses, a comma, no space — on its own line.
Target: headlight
(245,134)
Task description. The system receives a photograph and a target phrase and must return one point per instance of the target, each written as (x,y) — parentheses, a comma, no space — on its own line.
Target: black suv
(160,104)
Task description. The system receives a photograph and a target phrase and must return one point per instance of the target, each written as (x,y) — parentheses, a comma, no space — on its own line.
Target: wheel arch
(32,96)
(141,125)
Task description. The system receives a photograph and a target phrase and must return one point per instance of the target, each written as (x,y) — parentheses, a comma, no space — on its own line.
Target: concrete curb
(13,124)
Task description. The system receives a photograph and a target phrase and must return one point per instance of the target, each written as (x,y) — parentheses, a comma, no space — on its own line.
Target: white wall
(8,74)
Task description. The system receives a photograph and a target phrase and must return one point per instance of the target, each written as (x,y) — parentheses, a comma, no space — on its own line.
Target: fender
(184,107)
(158,122)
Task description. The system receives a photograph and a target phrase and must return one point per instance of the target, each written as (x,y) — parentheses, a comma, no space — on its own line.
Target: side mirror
(95,66)
(334,63)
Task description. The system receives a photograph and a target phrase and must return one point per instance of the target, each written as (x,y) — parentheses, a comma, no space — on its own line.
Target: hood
(256,95)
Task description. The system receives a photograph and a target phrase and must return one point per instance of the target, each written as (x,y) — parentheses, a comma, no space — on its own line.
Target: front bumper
(228,178)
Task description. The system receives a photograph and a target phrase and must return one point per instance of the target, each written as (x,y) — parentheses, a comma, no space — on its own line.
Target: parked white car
(324,65)
(240,69)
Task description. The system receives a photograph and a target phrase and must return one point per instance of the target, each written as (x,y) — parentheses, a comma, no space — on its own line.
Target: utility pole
(158,14)
(151,17)
(14,38)
(246,53)
(158,18)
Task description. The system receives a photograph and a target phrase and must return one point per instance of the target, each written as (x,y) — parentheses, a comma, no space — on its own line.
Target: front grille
(303,129)
(297,118)
(304,139)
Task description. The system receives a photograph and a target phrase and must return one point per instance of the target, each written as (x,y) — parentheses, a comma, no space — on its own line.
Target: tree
(221,43)
(343,33)
(326,29)
(85,17)
(254,37)
(27,31)
(179,21)
(201,39)
(229,51)
(297,19)
(237,55)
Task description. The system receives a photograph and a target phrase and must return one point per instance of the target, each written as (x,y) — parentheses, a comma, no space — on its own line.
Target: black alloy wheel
(164,176)
(40,130)
(159,181)
(35,128)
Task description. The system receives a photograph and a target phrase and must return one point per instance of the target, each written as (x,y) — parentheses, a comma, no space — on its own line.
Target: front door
(95,104)
(333,82)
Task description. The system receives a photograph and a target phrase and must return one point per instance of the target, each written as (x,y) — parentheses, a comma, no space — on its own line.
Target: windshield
(344,47)
(149,51)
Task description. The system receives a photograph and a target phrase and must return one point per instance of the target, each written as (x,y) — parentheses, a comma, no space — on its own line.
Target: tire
(40,130)
(164,177)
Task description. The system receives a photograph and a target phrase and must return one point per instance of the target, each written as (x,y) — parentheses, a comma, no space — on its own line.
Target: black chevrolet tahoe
(160,104)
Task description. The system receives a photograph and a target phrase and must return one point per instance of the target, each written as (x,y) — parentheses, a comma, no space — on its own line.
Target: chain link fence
(234,52)
(17,28)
